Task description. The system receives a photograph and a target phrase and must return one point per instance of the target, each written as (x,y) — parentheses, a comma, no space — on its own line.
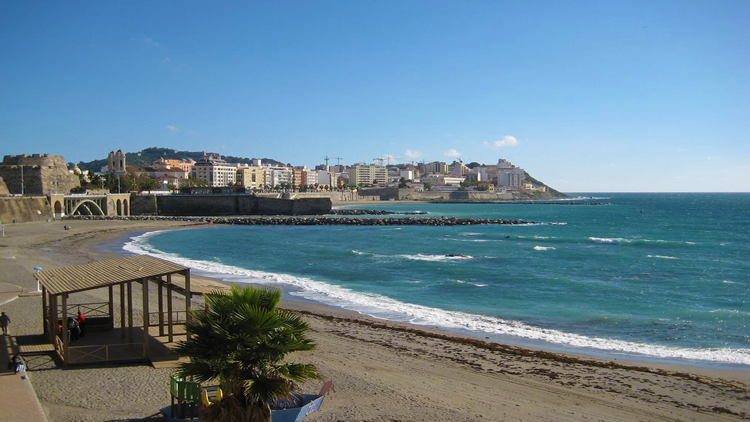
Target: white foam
(423,257)
(471,283)
(543,248)
(580,198)
(619,240)
(605,240)
(662,257)
(387,308)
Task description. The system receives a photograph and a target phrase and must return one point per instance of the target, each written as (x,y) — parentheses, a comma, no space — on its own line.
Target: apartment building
(363,174)
(437,167)
(251,177)
(276,177)
(513,178)
(215,171)
(309,177)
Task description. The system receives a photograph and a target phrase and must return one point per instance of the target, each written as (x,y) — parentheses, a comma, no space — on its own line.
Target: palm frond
(241,339)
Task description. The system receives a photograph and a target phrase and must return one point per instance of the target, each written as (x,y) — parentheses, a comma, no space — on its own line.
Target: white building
(407,174)
(363,174)
(310,177)
(443,180)
(215,171)
(277,177)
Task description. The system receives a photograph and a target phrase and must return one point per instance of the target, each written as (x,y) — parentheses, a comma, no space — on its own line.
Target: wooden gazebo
(58,284)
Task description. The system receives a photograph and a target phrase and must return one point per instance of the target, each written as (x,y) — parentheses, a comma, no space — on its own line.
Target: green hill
(147,156)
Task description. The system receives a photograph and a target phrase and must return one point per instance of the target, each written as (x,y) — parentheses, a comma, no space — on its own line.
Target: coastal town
(45,174)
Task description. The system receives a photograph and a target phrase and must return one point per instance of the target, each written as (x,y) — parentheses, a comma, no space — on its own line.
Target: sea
(650,277)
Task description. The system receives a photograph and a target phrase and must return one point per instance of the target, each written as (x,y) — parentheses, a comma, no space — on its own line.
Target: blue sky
(587,96)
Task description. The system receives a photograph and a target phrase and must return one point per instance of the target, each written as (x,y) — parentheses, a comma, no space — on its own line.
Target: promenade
(18,399)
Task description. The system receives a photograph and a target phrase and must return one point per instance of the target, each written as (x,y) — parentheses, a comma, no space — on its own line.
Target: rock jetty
(341,211)
(319,220)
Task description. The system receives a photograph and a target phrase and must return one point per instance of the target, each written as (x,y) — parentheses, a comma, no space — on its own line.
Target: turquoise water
(643,276)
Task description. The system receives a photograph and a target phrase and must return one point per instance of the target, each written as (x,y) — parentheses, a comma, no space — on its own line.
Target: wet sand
(383,371)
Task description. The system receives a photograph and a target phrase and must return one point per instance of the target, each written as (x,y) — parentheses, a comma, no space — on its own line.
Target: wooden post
(45,312)
(65,332)
(170,321)
(188,299)
(144,281)
(161,304)
(111,289)
(130,311)
(52,315)
(122,310)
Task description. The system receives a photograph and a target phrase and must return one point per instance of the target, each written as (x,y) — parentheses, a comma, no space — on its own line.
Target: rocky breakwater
(373,212)
(321,220)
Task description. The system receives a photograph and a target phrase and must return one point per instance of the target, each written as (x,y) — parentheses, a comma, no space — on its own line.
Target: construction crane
(379,159)
(333,158)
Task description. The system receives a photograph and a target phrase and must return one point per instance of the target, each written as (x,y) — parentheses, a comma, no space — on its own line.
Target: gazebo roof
(78,278)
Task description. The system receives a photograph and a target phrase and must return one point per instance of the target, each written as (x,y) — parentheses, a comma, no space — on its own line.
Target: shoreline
(601,352)
(369,358)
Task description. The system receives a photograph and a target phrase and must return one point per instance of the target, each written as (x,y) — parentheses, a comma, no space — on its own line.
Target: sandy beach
(383,371)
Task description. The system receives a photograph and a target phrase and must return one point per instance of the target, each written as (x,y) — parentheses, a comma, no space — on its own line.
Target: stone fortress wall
(3,187)
(42,174)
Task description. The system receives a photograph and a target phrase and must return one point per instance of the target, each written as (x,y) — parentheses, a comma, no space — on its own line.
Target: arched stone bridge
(111,204)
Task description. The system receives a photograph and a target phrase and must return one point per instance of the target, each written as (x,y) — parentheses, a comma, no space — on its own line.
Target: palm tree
(240,340)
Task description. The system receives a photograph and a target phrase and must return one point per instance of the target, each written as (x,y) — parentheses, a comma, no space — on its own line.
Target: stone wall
(335,196)
(224,205)
(42,174)
(16,209)
(479,196)
(384,194)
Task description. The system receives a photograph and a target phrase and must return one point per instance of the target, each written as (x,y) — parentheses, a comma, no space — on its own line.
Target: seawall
(16,209)
(225,205)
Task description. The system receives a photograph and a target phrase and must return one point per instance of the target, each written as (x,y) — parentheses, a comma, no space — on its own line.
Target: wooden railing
(178,317)
(94,309)
(105,353)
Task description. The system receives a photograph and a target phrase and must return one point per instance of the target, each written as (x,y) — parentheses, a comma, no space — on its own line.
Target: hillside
(147,156)
(551,193)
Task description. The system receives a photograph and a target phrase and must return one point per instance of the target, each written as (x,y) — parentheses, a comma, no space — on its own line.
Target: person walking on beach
(5,322)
